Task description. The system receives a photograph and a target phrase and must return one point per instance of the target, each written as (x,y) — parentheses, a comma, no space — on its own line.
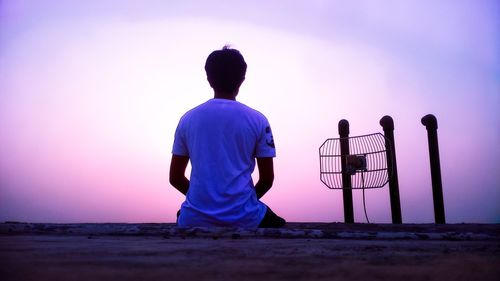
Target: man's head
(226,70)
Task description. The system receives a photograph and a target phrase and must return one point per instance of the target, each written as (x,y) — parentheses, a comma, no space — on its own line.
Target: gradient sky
(91,92)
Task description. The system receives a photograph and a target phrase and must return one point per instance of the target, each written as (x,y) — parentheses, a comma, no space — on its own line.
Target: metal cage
(366,162)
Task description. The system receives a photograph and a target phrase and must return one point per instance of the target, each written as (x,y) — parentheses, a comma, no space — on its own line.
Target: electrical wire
(364,201)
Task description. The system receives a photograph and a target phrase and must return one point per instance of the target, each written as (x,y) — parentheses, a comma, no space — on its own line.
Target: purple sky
(91,92)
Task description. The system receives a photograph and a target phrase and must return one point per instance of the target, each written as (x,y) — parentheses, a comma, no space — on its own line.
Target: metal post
(346,178)
(430,122)
(392,168)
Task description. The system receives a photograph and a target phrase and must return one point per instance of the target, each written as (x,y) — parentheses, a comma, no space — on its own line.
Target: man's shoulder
(252,111)
(195,109)
(229,106)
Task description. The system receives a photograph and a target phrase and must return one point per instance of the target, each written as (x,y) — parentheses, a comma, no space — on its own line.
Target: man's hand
(178,179)
(266,176)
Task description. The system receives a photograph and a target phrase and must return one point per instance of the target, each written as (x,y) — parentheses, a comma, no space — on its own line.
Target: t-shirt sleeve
(265,144)
(180,147)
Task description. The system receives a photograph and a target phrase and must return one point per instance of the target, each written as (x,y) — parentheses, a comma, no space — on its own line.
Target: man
(222,138)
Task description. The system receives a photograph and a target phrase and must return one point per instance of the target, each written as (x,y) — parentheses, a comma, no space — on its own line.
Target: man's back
(222,138)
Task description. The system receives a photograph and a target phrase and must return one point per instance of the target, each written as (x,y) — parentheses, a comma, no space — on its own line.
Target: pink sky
(91,92)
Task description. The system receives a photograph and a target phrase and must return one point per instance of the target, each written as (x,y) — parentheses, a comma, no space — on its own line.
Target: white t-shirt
(222,139)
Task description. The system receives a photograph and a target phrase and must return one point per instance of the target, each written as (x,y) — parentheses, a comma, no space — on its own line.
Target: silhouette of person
(223,139)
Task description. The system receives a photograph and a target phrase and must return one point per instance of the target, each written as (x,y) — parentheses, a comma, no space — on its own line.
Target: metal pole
(430,122)
(392,168)
(346,178)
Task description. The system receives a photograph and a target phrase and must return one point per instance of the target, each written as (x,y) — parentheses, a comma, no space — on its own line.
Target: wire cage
(366,163)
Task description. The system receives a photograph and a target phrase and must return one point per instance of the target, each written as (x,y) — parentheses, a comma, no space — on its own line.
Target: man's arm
(178,178)
(266,176)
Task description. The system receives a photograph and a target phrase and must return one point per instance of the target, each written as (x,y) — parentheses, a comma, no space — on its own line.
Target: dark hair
(225,69)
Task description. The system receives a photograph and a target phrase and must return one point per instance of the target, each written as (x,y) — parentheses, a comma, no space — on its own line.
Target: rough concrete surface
(331,252)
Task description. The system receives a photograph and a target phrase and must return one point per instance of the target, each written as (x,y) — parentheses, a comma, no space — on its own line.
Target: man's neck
(227,96)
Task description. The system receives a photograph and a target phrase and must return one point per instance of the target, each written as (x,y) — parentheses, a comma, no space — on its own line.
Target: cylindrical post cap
(387,123)
(343,127)
(430,122)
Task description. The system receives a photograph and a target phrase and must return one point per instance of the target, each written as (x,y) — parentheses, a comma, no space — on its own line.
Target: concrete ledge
(450,232)
(299,251)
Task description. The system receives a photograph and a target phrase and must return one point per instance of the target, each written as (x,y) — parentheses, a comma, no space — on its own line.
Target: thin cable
(364,202)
